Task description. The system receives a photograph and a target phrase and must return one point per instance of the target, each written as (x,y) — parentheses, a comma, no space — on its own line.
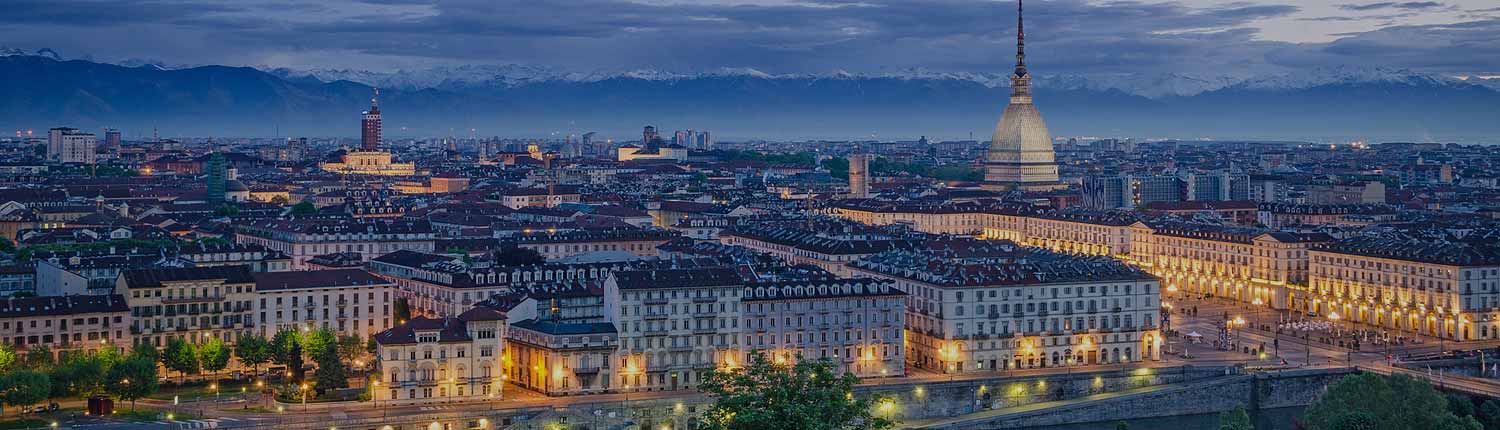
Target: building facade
(994,305)
(442,360)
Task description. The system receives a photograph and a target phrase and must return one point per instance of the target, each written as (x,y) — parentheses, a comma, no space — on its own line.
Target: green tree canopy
(805,395)
(39,358)
(7,358)
(1397,402)
(24,387)
(213,356)
(180,356)
(286,350)
(254,351)
(304,208)
(132,378)
(402,310)
(1236,419)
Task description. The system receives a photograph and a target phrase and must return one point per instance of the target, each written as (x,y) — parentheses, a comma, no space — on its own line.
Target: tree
(7,358)
(6,245)
(82,375)
(1122,425)
(1459,405)
(1236,419)
(304,208)
(804,395)
(331,374)
(132,378)
(39,358)
(319,341)
(213,356)
(286,350)
(1390,403)
(180,356)
(517,256)
(146,351)
(254,351)
(402,309)
(1489,414)
(226,210)
(24,387)
(325,349)
(351,348)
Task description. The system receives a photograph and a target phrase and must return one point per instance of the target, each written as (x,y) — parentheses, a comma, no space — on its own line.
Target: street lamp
(304,396)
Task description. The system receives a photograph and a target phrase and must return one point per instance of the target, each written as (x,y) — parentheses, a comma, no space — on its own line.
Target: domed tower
(1020,155)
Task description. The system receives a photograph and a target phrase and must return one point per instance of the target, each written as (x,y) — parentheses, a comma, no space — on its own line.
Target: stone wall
(1261,390)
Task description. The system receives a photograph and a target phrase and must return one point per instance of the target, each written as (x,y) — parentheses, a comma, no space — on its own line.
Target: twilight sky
(1210,37)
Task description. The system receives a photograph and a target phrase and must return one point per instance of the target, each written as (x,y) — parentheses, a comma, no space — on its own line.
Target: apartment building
(856,323)
(564,244)
(1433,282)
(1251,265)
(990,305)
(442,360)
(349,302)
(65,324)
(189,303)
(303,239)
(674,324)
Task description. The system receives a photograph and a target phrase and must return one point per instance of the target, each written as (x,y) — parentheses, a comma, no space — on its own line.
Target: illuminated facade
(1446,287)
(441,360)
(856,323)
(994,305)
(674,325)
(1249,265)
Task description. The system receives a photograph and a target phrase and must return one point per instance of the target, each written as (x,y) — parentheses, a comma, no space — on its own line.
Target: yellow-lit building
(1405,283)
(377,163)
(1253,266)
(994,305)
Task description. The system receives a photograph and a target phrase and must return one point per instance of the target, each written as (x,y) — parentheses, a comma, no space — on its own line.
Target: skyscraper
(370,125)
(216,178)
(1020,155)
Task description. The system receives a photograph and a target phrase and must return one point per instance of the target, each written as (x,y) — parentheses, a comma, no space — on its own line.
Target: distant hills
(39,91)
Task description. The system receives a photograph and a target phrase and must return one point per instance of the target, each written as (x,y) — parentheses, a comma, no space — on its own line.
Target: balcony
(654,332)
(585,370)
(654,316)
(655,301)
(205,299)
(705,299)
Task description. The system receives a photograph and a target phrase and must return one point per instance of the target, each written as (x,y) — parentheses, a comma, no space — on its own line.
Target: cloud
(1415,5)
(1064,36)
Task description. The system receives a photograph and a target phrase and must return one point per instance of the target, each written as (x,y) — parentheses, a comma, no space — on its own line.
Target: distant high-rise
(70,145)
(588,143)
(370,126)
(216,172)
(112,137)
(1131,191)
(859,176)
(705,141)
(683,138)
(1021,155)
(649,135)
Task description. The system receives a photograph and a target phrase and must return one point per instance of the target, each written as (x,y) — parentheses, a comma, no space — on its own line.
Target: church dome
(1021,136)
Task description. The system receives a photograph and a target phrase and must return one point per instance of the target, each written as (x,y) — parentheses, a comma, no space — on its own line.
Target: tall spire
(1020,82)
(1020,42)
(374,104)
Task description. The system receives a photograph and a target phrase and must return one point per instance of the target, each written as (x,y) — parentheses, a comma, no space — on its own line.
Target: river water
(1268,419)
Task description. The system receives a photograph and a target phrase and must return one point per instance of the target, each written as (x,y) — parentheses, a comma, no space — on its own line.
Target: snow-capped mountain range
(39,88)
(1153,86)
(1150,86)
